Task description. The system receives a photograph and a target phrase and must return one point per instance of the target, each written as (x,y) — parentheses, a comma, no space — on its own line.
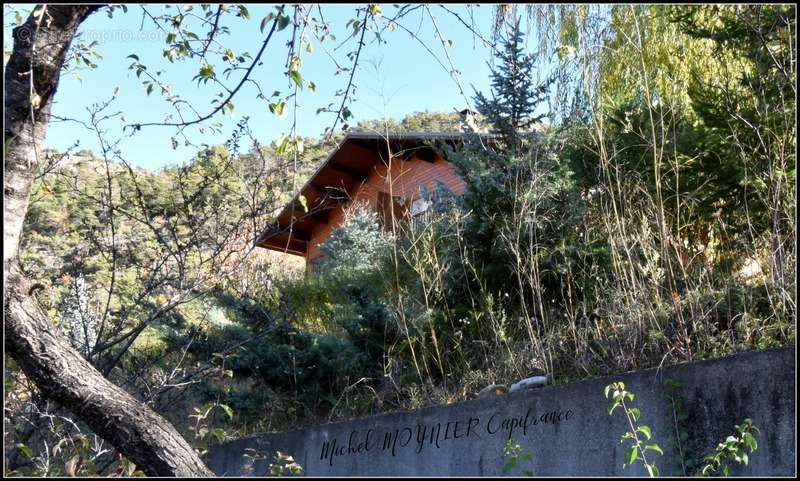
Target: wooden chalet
(388,172)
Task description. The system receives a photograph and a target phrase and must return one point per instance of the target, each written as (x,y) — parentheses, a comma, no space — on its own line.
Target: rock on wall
(566,428)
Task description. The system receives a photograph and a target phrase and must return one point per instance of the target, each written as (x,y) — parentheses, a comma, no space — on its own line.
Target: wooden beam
(399,148)
(319,209)
(314,195)
(333,193)
(291,249)
(354,174)
(294,246)
(320,215)
(427,154)
(281,232)
(299,235)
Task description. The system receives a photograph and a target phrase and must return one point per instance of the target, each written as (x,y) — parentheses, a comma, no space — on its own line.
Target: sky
(393,79)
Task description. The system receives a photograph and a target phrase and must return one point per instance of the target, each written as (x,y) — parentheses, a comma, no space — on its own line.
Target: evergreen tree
(354,248)
(515,97)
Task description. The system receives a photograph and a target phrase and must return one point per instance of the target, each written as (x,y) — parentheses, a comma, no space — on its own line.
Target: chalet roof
(337,178)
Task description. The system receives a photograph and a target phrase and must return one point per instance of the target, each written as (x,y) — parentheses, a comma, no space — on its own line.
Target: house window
(392,209)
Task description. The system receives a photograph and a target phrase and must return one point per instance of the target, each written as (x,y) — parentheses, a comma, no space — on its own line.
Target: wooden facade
(387,172)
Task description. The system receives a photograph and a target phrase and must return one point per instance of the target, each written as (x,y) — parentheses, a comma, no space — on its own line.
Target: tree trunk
(39,348)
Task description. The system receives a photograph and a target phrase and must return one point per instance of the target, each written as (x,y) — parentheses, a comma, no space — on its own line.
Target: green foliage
(519,200)
(356,248)
(351,272)
(309,364)
(638,435)
(611,242)
(75,455)
(285,465)
(515,453)
(732,449)
(281,464)
(205,432)
(415,122)
(515,96)
(708,67)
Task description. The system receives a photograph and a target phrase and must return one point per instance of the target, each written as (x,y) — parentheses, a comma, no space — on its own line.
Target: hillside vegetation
(650,221)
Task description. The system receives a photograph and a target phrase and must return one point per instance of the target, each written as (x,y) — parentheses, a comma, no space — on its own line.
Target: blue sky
(393,79)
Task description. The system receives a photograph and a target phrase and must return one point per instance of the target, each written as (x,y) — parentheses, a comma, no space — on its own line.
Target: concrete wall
(567,428)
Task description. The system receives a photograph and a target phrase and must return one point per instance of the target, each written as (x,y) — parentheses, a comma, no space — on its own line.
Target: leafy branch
(205,73)
(515,452)
(343,111)
(638,447)
(732,449)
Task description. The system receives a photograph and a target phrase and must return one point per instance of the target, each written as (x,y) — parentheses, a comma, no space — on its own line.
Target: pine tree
(354,247)
(515,96)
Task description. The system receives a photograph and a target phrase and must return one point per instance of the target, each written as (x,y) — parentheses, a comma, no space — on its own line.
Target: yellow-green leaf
(654,447)
(278,108)
(227,410)
(25,450)
(298,79)
(632,452)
